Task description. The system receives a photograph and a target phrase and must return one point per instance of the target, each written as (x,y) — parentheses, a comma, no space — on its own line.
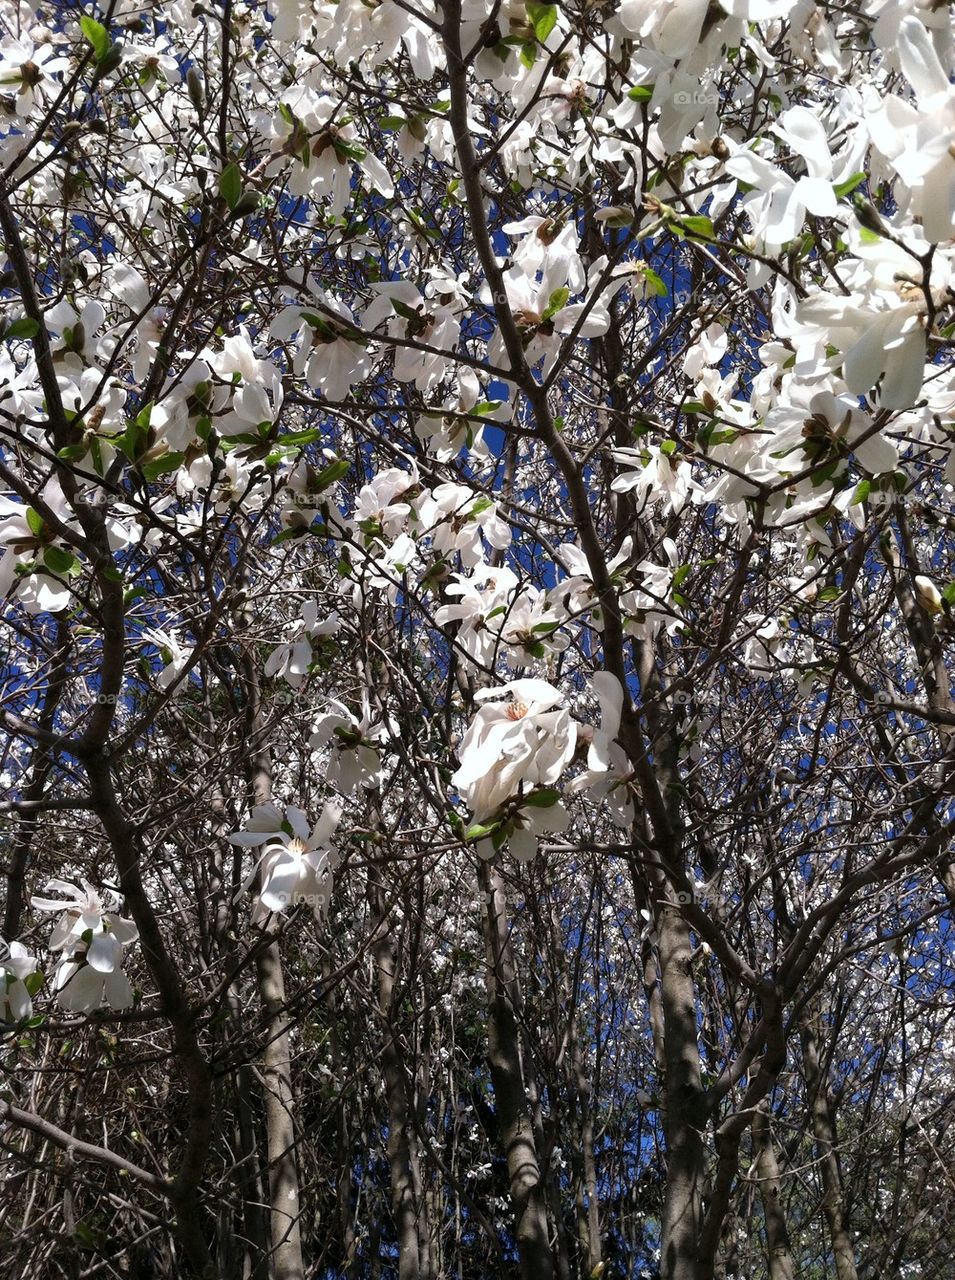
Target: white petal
(118,992)
(82,990)
(104,953)
(523,845)
(919,61)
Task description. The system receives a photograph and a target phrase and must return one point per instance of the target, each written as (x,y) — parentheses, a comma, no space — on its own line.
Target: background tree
(476,545)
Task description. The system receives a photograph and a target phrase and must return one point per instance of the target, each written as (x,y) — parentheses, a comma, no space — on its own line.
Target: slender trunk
(778,1253)
(284,1201)
(685,1115)
(510,1096)
(344,1189)
(284,1198)
(824,1132)
(191,1221)
(255,1244)
(403,1198)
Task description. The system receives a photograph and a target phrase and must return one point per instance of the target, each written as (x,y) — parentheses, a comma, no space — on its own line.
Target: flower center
(516,710)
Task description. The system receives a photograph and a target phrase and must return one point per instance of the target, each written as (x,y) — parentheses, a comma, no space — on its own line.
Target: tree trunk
(685,1118)
(824,1132)
(403,1198)
(778,1254)
(284,1201)
(510,1097)
(279,1121)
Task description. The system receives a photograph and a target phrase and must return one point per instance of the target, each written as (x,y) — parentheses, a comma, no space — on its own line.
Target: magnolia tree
(476,548)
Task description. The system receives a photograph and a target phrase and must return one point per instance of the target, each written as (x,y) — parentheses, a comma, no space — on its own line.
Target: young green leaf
(23,328)
(543,19)
(230,184)
(97,35)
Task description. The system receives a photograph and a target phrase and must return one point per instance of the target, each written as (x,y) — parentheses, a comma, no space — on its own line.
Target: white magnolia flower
(544,314)
(381,507)
(412,316)
(577,591)
(25,540)
(648,607)
(778,204)
(328,353)
(457,516)
(496,609)
(608,768)
(174,656)
(928,594)
(515,745)
(29,71)
(548,244)
(658,475)
(816,422)
(326,155)
(531,821)
(880,325)
(16,966)
(297,861)
(91,940)
(354,760)
(258,396)
(919,140)
(291,659)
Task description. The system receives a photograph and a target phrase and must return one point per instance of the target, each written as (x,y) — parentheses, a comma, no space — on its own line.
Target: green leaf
(640,93)
(481,829)
(726,436)
(850,184)
(23,328)
(698,226)
(556,302)
(653,283)
(58,560)
(543,19)
(863,489)
(71,452)
(348,150)
(301,437)
(230,184)
(33,982)
(390,124)
(402,309)
(168,462)
(334,472)
(668,447)
(543,798)
(948,593)
(97,35)
(35,522)
(287,535)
